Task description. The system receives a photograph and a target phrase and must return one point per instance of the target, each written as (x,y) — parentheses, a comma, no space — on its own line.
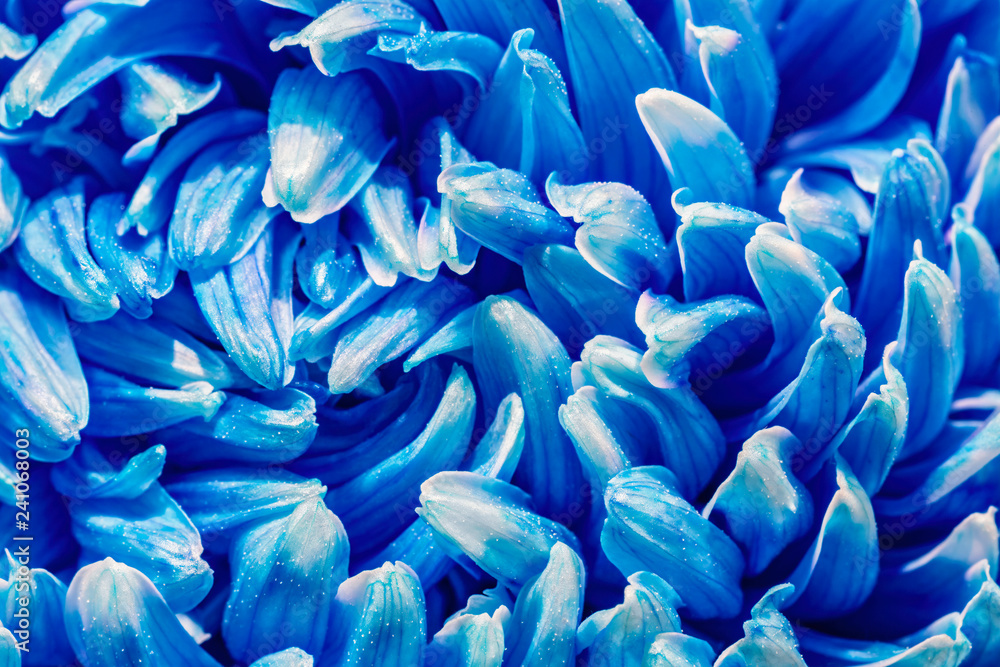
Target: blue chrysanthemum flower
(500,333)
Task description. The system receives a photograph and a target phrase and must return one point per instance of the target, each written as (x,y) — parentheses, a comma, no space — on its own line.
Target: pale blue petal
(468,640)
(152,203)
(138,268)
(469,53)
(690,441)
(249,306)
(976,274)
(115,616)
(650,527)
(219,215)
(14,45)
(290,657)
(326,139)
(618,232)
(500,209)
(150,532)
(154,96)
(769,639)
(38,596)
(392,328)
(698,149)
(766,508)
(980,622)
(621,636)
(673,649)
(972,99)
(295,564)
(41,373)
(547,612)
(491,522)
(223,501)
(601,455)
(825,213)
(838,572)
(605,89)
(94,472)
(271,427)
(378,619)
(515,352)
(52,250)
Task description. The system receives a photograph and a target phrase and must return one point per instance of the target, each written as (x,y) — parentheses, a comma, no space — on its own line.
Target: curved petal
(972,99)
(290,657)
(115,615)
(650,527)
(95,473)
(674,649)
(468,640)
(975,273)
(825,213)
(326,140)
(769,639)
(13,203)
(40,597)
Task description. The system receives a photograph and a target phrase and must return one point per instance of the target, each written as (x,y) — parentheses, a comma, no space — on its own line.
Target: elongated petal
(975,273)
(650,527)
(326,139)
(96,473)
(115,615)
(294,564)
(605,90)
(14,45)
(547,612)
(597,445)
(40,597)
(872,440)
(379,619)
(491,522)
(223,501)
(576,301)
(154,534)
(219,216)
(839,571)
(95,43)
(690,440)
(698,149)
(618,232)
(154,350)
(274,428)
(765,506)
(41,371)
(972,99)
(500,209)
(624,634)
(152,203)
(391,329)
(249,306)
(13,203)
(317,329)
(769,639)
(52,250)
(515,352)
(377,505)
(154,96)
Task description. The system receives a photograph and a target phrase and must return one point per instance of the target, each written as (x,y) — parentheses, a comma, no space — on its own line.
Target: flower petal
(95,473)
(769,639)
(825,214)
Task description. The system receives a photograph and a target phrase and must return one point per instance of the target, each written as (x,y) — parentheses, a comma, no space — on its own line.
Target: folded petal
(500,209)
(95,472)
(16,46)
(293,564)
(152,533)
(673,649)
(249,306)
(326,137)
(698,149)
(618,233)
(980,621)
(769,639)
(52,250)
(491,522)
(690,440)
(766,508)
(651,527)
(515,352)
(115,615)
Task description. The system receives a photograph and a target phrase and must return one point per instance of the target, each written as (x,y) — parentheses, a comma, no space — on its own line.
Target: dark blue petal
(326,140)
(40,597)
(650,527)
(115,616)
(293,566)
